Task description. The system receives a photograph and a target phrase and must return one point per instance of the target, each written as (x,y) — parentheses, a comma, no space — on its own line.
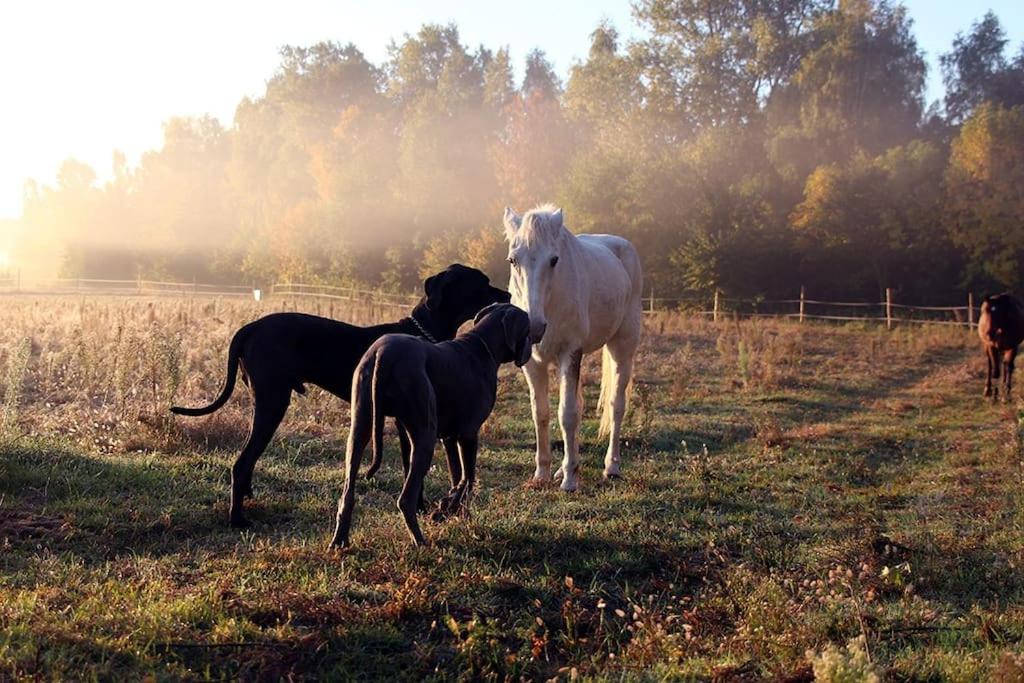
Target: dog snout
(537,329)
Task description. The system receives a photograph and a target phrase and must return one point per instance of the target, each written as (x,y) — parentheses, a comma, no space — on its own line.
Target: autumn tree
(984,201)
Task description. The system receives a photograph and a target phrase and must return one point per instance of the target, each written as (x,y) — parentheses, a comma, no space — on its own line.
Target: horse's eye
(554,261)
(512,260)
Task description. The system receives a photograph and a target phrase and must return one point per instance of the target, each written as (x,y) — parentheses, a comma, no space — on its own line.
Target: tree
(539,79)
(874,223)
(976,70)
(724,57)
(984,202)
(858,90)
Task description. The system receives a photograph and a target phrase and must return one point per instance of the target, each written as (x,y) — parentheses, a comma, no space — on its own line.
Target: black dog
(444,390)
(1001,328)
(281,352)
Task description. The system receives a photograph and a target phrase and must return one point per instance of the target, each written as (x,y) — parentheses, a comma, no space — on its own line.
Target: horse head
(534,243)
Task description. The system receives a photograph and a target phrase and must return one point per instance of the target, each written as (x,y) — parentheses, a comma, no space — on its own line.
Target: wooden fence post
(970,309)
(714,311)
(888,308)
(803,297)
(650,307)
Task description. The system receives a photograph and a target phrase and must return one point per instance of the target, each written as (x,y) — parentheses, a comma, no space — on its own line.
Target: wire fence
(888,312)
(716,307)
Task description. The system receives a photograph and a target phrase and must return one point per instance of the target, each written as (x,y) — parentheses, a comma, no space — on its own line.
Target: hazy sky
(83,78)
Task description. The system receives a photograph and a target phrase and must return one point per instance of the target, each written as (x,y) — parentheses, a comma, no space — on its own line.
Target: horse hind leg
(617,371)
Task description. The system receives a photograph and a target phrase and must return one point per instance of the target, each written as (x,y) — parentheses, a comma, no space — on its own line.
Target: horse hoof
(612,475)
(569,485)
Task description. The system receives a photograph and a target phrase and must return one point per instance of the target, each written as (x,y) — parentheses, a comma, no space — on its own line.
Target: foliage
(751,147)
(984,200)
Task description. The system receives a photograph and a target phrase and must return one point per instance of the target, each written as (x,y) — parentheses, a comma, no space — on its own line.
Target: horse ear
(558,217)
(512,221)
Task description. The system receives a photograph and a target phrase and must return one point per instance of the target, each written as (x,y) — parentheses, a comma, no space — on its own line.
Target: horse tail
(378,421)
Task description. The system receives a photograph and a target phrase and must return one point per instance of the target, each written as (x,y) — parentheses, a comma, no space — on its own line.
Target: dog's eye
(554,261)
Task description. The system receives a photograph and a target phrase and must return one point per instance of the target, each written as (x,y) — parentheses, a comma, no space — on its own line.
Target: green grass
(839,482)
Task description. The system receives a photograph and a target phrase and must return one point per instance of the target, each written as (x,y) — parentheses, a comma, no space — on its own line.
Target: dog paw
(240,522)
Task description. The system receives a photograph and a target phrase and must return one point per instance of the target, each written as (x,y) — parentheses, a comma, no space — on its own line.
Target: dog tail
(234,351)
(378,422)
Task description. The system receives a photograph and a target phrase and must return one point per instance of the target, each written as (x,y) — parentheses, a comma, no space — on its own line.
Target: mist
(751,148)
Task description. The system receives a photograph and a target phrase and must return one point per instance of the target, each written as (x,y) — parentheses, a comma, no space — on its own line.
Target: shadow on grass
(101,507)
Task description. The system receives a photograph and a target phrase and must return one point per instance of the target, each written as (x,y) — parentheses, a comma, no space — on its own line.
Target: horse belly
(609,304)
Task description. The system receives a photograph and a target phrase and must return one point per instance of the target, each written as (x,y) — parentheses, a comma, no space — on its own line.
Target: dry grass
(798,500)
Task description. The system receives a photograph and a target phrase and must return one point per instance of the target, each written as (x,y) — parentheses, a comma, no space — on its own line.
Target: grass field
(797,501)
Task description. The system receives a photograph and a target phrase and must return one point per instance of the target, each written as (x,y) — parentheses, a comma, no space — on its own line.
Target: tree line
(746,146)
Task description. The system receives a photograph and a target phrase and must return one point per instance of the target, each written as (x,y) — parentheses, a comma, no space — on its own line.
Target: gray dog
(433,391)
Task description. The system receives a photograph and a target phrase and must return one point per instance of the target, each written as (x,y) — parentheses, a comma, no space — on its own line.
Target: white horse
(581,292)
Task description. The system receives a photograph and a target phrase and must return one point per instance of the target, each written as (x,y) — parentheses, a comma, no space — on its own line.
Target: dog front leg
(468,447)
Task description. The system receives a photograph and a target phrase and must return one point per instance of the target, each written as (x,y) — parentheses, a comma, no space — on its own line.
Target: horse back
(623,251)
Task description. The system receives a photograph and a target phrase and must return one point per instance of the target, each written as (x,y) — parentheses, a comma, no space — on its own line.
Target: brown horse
(1001,328)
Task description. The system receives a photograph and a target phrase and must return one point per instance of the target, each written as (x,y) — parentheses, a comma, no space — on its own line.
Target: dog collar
(423,330)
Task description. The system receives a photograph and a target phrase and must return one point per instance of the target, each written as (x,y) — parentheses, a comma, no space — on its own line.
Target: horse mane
(539,226)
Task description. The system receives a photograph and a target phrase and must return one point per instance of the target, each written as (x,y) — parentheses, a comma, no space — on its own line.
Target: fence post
(970,309)
(714,311)
(802,298)
(888,308)
(650,307)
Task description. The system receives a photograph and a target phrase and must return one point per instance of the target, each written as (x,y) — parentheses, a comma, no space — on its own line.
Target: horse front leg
(537,379)
(570,406)
(1008,364)
(991,367)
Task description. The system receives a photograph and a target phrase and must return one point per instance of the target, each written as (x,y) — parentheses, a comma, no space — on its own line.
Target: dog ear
(433,289)
(483,312)
(517,336)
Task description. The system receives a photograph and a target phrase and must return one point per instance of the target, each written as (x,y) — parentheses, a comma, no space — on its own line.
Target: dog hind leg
(270,410)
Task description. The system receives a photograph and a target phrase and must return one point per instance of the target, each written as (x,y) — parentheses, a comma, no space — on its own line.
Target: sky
(84,78)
